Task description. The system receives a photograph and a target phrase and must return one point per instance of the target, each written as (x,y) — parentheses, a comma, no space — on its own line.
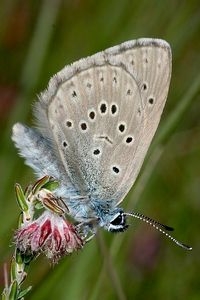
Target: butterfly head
(115,221)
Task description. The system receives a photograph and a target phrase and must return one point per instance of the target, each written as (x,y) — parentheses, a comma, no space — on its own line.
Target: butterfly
(95,123)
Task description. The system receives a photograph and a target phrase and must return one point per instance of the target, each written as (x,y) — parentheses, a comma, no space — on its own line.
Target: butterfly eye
(118,220)
(118,224)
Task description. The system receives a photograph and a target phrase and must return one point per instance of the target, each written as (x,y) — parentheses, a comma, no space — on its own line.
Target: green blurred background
(37,38)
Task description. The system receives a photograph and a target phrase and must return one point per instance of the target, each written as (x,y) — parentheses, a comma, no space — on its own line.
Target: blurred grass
(37,38)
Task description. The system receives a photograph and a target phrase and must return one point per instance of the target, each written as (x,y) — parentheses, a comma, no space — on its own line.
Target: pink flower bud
(51,234)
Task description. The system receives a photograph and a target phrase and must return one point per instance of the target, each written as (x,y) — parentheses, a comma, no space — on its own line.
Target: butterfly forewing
(150,64)
(103,112)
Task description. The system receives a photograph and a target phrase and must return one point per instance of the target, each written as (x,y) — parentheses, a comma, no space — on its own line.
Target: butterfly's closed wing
(39,155)
(101,114)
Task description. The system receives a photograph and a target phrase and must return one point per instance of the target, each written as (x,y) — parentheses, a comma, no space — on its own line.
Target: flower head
(51,234)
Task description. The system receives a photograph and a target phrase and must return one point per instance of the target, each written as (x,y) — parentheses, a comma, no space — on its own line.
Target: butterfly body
(95,123)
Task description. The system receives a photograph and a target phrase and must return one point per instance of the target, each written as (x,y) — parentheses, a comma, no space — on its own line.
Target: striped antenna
(160,227)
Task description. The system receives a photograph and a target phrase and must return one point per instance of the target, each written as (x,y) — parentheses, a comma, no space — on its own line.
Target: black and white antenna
(158,226)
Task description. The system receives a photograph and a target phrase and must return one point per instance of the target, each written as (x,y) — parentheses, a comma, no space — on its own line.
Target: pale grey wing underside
(40,156)
(101,114)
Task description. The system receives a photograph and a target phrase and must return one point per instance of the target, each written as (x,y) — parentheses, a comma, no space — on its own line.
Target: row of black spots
(103,108)
(146,56)
(82,125)
(145,88)
(102,80)
(89,86)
